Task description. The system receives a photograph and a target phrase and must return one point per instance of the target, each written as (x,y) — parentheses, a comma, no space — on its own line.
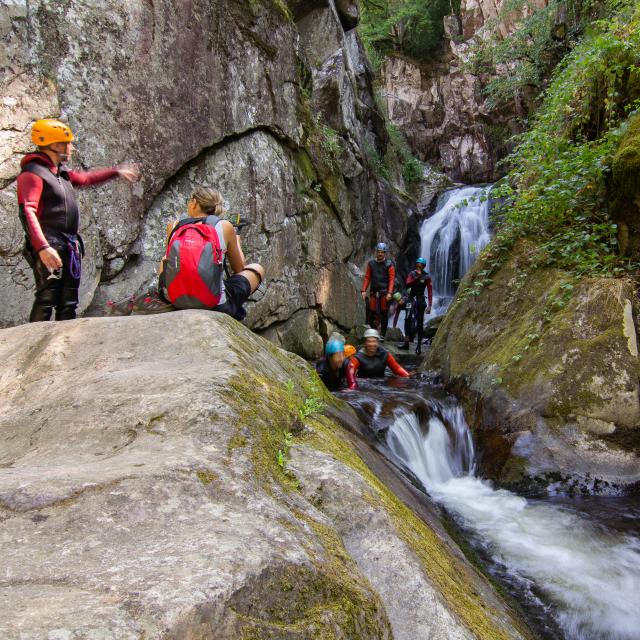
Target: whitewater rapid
(590,575)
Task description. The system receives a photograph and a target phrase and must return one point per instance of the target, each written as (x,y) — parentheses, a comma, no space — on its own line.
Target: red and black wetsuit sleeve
(417,289)
(367,278)
(392,363)
(93,177)
(392,279)
(29,194)
(29,198)
(352,370)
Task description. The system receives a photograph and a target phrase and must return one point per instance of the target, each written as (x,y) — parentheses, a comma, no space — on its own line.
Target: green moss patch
(450,576)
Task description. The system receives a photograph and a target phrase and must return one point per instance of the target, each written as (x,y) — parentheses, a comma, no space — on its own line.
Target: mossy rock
(625,196)
(548,367)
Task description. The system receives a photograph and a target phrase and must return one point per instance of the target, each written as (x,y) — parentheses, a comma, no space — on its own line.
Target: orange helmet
(349,350)
(46,132)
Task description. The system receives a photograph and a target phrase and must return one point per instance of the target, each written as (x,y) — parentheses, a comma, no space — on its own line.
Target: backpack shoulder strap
(212,220)
(183,223)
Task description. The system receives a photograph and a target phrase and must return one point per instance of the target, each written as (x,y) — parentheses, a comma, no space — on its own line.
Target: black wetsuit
(417,283)
(333,380)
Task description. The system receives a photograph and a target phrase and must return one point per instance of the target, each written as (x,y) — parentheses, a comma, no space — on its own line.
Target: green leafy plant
(556,189)
(284,451)
(409,27)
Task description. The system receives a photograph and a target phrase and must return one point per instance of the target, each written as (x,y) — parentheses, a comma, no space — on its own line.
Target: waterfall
(589,574)
(452,238)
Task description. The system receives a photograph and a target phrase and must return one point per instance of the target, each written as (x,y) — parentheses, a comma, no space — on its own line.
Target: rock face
(141,497)
(548,367)
(271,105)
(441,107)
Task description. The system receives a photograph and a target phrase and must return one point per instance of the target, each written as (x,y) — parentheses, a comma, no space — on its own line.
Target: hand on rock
(129,172)
(364,295)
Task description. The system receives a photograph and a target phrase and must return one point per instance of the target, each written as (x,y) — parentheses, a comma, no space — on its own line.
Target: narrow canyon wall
(271,103)
(441,105)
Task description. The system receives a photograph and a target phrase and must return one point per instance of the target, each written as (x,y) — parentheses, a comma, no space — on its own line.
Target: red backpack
(194,265)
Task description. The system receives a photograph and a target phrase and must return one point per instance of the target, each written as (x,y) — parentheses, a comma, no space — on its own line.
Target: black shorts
(238,290)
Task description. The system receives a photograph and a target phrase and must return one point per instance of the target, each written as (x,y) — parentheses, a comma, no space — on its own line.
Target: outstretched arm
(352,369)
(396,368)
(430,292)
(128,172)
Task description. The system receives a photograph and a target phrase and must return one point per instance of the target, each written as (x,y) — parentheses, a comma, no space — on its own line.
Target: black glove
(238,221)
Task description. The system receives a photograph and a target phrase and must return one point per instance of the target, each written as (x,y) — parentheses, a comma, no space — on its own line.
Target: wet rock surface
(140,496)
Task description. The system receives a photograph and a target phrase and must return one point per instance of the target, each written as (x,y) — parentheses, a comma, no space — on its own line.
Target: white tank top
(223,245)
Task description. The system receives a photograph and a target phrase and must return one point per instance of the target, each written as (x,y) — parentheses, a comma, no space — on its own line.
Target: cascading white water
(590,575)
(452,238)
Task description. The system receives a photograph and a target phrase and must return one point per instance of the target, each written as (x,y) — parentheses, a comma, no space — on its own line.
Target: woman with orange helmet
(50,216)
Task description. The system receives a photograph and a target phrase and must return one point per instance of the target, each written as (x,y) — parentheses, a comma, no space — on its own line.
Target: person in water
(205,206)
(372,361)
(379,278)
(332,369)
(417,282)
(50,215)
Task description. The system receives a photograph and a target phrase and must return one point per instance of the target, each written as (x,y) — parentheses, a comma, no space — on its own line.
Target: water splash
(589,574)
(452,238)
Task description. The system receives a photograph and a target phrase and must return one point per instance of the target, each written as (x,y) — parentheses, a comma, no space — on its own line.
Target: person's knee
(257,267)
(66,313)
(254,273)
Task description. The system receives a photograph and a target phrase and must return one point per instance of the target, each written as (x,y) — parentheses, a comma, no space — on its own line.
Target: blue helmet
(334,346)
(421,261)
(381,246)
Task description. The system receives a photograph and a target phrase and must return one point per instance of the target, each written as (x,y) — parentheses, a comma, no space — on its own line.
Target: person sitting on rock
(372,361)
(379,278)
(50,215)
(332,369)
(417,282)
(192,271)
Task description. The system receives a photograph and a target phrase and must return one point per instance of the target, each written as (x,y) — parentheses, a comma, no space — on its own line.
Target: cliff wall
(268,102)
(441,106)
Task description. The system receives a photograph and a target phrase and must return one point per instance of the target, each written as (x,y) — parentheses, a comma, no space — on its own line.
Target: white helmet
(371,333)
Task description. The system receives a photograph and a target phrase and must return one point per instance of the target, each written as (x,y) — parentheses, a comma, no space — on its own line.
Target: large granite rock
(272,106)
(548,368)
(141,497)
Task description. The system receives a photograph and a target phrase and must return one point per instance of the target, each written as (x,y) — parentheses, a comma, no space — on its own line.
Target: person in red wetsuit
(418,281)
(379,278)
(372,361)
(50,216)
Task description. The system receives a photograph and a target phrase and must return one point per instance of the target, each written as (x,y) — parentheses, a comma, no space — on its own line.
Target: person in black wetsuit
(332,368)
(417,282)
(50,215)
(372,361)
(379,278)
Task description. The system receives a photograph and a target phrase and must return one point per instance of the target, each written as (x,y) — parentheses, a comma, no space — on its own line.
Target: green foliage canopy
(557,185)
(410,27)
